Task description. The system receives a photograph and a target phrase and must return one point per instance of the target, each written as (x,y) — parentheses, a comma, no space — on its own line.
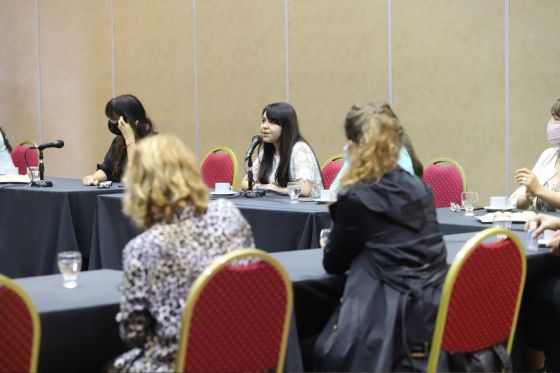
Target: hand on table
(90,180)
(554,243)
(543,222)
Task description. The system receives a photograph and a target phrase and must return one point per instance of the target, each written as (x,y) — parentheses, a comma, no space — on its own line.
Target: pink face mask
(553,132)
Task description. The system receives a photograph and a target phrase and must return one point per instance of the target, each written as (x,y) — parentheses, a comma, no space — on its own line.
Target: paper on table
(14,179)
(516,217)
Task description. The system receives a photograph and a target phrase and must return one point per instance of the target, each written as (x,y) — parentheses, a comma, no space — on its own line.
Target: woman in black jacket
(386,236)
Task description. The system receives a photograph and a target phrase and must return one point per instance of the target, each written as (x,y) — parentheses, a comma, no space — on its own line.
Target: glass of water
(69,264)
(324,237)
(469,200)
(294,189)
(501,221)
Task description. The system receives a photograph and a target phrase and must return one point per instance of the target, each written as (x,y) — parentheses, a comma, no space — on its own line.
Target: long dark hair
(285,116)
(133,112)
(6,142)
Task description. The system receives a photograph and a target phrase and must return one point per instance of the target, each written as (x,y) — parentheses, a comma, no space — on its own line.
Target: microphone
(255,141)
(54,144)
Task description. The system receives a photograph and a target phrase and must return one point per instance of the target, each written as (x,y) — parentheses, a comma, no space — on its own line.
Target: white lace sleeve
(302,163)
(303,166)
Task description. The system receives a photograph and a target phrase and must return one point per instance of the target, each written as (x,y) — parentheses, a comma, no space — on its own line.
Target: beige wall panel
(18,70)
(76,68)
(448,85)
(338,55)
(241,65)
(534,82)
(154,61)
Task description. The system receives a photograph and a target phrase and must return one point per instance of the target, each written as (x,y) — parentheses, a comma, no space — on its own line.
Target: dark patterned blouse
(160,265)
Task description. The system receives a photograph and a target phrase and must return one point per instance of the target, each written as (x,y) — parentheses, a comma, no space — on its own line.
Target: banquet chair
(331,168)
(219,166)
(23,156)
(237,316)
(447,179)
(481,296)
(20,330)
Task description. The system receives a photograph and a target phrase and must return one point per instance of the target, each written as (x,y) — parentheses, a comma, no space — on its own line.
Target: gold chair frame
(454,163)
(335,157)
(225,149)
(207,275)
(8,283)
(449,284)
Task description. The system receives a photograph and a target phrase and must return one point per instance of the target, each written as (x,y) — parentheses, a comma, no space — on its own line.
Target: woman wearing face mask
(407,159)
(129,122)
(539,188)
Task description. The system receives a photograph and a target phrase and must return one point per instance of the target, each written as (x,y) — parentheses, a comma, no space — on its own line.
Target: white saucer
(319,200)
(490,208)
(230,193)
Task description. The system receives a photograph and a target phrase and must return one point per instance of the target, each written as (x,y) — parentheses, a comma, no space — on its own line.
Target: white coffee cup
(328,195)
(499,202)
(222,188)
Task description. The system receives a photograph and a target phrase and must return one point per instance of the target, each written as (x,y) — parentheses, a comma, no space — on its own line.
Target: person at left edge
(129,122)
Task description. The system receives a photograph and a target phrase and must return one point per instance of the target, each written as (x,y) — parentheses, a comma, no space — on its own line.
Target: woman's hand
(527,178)
(94,179)
(90,180)
(554,243)
(270,186)
(127,132)
(543,222)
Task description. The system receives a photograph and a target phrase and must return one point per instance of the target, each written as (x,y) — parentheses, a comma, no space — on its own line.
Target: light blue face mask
(346,153)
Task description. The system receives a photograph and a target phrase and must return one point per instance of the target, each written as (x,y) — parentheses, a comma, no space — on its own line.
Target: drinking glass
(33,173)
(501,221)
(469,200)
(294,189)
(323,237)
(69,264)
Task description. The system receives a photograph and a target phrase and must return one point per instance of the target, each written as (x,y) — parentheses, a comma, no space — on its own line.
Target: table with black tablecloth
(79,331)
(277,225)
(36,223)
(78,328)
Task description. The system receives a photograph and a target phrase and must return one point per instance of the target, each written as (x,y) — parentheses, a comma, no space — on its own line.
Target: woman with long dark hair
(285,155)
(5,153)
(129,122)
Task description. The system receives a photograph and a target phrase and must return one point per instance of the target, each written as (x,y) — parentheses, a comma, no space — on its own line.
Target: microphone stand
(41,182)
(251,193)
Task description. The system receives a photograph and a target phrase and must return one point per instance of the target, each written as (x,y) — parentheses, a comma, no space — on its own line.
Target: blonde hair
(161,180)
(377,132)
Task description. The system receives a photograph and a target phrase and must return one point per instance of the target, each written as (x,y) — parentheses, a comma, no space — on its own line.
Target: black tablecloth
(78,328)
(79,331)
(277,225)
(36,223)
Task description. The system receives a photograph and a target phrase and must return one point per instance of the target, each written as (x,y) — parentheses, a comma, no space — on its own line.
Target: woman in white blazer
(539,188)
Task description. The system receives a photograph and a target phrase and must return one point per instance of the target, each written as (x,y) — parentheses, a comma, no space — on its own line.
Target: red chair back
(446,177)
(19,329)
(237,316)
(330,169)
(219,166)
(23,156)
(481,296)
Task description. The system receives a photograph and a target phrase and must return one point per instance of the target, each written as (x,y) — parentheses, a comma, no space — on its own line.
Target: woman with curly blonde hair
(185,232)
(386,236)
